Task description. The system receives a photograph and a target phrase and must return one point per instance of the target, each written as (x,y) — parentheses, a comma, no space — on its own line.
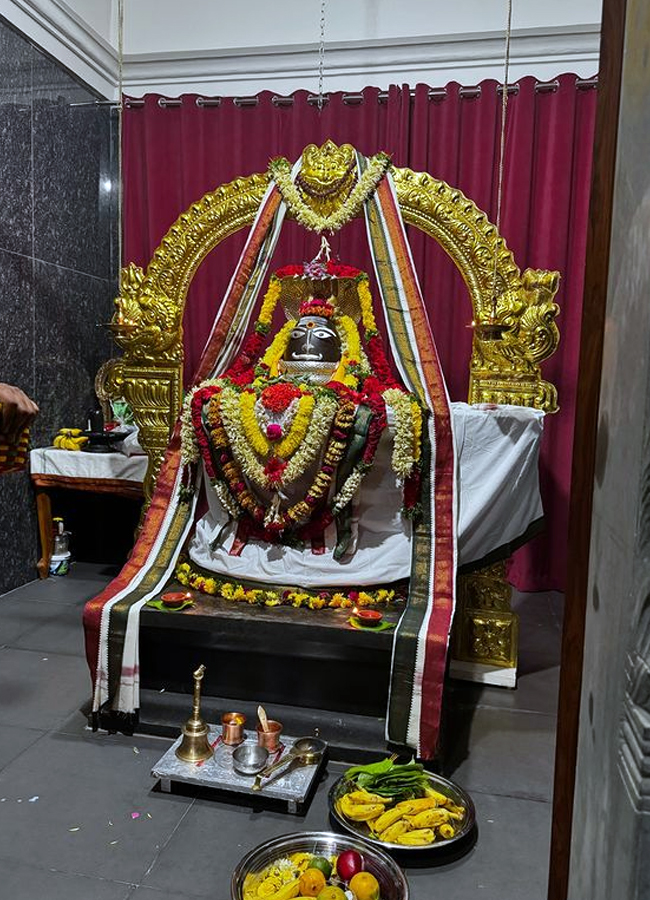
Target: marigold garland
(238,593)
(269,303)
(276,351)
(365,301)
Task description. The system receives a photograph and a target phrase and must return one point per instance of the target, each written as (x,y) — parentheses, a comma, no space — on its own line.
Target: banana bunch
(415,822)
(70,439)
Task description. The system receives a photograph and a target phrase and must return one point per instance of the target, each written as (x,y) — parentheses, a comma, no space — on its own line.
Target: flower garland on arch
(280,172)
(236,592)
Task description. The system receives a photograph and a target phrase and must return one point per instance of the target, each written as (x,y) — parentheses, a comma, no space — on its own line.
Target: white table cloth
(79,464)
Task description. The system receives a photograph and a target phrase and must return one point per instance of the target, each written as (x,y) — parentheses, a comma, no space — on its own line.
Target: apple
(348,864)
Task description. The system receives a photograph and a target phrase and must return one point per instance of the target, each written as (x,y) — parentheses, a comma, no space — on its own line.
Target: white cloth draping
(497,457)
(79,464)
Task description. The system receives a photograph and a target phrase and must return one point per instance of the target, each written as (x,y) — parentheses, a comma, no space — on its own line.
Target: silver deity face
(313,340)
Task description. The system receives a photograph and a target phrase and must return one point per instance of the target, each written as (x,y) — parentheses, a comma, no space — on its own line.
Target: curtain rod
(465,92)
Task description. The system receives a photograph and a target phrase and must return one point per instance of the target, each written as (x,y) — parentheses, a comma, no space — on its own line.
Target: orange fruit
(364,886)
(312,881)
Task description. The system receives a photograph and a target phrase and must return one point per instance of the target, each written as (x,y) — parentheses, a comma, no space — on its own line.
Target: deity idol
(286,437)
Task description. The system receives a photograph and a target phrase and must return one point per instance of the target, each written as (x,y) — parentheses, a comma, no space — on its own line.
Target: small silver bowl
(249,759)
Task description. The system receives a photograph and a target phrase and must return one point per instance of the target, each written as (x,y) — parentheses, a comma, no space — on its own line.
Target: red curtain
(175,152)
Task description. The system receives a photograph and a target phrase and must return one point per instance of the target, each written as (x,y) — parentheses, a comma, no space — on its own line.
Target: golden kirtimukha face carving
(325,169)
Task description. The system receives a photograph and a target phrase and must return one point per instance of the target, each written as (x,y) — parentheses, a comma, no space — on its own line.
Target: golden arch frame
(147,324)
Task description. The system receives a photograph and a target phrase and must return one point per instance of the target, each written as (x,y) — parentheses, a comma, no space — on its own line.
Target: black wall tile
(15,142)
(57,279)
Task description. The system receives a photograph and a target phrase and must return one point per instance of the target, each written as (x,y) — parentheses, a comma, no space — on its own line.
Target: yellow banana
(429,818)
(432,793)
(387,819)
(365,797)
(360,812)
(288,892)
(391,834)
(418,804)
(417,838)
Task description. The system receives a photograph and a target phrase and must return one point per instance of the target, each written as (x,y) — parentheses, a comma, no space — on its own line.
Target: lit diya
(176,599)
(368,617)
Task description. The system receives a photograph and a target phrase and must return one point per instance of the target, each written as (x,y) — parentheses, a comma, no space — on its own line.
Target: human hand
(17,411)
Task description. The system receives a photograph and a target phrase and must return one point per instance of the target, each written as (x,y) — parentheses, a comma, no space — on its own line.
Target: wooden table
(78,470)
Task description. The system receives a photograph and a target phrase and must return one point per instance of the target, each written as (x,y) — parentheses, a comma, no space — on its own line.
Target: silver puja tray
(217,773)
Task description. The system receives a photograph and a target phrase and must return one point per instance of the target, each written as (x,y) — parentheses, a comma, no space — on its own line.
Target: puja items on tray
(398,805)
(301,875)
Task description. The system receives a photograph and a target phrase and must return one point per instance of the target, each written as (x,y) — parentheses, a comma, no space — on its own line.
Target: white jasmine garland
(403,458)
(280,170)
(226,499)
(348,490)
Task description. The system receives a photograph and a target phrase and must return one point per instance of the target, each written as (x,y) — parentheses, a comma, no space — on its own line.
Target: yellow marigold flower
(239,593)
(365,599)
(184,567)
(182,577)
(272,600)
(270,301)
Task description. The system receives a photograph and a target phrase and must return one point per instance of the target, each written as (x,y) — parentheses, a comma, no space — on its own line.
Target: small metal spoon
(306,751)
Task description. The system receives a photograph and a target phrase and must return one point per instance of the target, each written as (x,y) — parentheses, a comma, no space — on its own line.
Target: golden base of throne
(485,634)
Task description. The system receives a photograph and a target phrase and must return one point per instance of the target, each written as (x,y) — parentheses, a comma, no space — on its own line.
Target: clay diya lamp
(175,599)
(368,617)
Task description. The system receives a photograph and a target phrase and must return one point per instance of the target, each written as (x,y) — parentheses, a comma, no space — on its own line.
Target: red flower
(274,470)
(277,397)
(274,431)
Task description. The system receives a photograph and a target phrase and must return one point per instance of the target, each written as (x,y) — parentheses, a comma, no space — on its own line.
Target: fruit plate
(392,881)
(361,829)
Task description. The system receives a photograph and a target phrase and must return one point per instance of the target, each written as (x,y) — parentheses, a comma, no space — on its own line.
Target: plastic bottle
(60,560)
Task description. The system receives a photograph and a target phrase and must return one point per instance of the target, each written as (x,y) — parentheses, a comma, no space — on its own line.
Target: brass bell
(195,745)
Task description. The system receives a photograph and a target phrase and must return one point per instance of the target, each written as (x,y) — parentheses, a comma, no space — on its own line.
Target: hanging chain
(502,144)
(120,115)
(321,56)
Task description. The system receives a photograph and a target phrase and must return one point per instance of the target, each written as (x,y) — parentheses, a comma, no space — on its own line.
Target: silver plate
(392,881)
(455,793)
(218,772)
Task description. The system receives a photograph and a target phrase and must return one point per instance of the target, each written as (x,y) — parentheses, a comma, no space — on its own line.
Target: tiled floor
(67,796)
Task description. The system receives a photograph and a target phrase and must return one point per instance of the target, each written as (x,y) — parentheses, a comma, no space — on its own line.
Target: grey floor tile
(59,631)
(508,862)
(14,740)
(200,845)
(147,893)
(72,590)
(87,785)
(25,882)
(39,689)
(40,625)
(501,752)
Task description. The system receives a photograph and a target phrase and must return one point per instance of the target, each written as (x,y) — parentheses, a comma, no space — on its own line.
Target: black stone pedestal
(309,668)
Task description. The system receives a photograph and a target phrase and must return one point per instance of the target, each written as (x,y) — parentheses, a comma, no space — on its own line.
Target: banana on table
(70,439)
(415,822)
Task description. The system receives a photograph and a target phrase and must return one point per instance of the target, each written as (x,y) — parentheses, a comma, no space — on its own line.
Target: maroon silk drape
(174,154)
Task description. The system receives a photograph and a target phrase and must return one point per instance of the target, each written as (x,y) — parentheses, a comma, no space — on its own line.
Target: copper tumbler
(271,738)
(232,728)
